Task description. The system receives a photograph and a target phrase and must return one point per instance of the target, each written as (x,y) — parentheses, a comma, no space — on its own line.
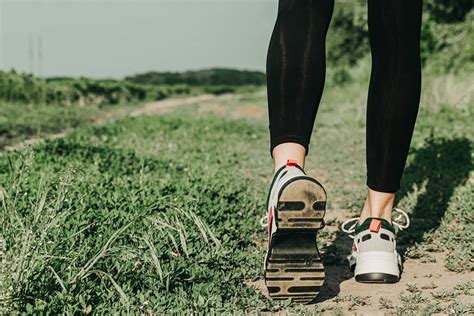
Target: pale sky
(115,38)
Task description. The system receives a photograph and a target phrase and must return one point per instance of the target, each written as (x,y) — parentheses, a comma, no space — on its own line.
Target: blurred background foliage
(216,76)
(447,39)
(151,86)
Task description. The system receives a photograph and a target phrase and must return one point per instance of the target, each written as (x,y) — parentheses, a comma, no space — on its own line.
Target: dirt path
(156,107)
(146,109)
(426,283)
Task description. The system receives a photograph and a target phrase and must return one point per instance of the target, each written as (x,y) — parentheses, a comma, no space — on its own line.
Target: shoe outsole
(294,268)
(376,277)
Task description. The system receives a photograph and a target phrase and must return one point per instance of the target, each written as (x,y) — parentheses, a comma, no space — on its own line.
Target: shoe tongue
(374,224)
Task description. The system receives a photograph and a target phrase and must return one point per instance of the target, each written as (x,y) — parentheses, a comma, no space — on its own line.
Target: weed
(415,298)
(430,286)
(413,288)
(445,295)
(465,288)
(385,303)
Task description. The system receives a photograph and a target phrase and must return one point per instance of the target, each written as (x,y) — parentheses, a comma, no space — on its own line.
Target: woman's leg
(296,66)
(297,202)
(393,101)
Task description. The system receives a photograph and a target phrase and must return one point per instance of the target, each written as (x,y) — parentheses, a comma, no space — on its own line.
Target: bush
(347,40)
(215,76)
(444,39)
(448,11)
(21,87)
(83,91)
(147,87)
(341,76)
(428,41)
(453,46)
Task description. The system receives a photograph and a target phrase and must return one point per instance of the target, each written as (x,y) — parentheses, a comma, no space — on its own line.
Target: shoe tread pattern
(301,206)
(294,268)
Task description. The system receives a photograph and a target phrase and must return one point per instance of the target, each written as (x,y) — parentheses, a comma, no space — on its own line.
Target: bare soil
(343,293)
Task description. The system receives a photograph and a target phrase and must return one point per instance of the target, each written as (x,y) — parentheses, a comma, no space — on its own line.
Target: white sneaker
(296,205)
(374,257)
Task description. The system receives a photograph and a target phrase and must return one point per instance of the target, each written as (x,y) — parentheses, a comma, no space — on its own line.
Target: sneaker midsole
(377,262)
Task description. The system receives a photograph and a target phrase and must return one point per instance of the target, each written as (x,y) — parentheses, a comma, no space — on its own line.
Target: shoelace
(395,222)
(263,221)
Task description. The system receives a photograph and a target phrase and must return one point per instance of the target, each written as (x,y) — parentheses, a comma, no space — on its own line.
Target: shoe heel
(301,205)
(377,267)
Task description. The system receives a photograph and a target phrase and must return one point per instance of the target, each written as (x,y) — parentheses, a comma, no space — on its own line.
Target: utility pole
(31,53)
(40,55)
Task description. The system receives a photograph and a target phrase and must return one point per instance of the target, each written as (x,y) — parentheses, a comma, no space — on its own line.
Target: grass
(160,214)
(146,244)
(19,121)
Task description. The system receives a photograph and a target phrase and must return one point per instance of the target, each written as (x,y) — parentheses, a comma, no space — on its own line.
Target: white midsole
(377,262)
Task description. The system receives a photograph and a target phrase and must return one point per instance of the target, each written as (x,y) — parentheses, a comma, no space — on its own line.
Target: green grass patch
(91,223)
(20,121)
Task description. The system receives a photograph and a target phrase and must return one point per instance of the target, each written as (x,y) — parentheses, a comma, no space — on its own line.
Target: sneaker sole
(376,278)
(377,267)
(294,268)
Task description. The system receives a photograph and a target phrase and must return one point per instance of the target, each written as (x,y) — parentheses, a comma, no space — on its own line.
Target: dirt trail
(146,109)
(429,279)
(154,107)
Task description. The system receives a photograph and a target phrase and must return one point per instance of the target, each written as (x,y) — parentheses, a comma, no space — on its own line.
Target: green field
(160,213)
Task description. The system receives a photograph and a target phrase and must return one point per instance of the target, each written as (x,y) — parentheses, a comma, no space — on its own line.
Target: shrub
(448,11)
(347,41)
(214,76)
(69,91)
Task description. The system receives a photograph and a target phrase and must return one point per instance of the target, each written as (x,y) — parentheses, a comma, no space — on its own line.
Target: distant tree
(214,76)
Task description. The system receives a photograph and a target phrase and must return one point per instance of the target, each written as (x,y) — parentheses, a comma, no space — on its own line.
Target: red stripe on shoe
(375,225)
(291,163)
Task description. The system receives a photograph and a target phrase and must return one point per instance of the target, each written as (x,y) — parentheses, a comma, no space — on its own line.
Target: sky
(116,38)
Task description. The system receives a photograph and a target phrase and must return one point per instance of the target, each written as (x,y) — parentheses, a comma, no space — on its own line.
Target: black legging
(296,71)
